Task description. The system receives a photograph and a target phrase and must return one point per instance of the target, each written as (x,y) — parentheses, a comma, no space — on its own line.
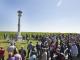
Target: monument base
(19,38)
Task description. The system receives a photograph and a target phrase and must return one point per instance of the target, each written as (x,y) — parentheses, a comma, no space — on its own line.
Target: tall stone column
(19,37)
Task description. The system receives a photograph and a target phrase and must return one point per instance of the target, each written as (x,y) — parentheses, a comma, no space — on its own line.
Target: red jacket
(2,52)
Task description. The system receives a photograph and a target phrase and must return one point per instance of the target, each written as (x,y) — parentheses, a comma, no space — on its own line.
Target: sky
(40,15)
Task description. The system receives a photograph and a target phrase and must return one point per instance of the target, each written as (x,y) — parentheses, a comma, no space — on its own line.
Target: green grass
(19,44)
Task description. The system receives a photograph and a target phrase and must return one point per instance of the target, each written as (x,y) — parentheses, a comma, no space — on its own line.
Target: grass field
(5,45)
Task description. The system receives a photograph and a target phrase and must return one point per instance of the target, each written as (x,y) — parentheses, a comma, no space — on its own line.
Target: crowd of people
(49,47)
(53,47)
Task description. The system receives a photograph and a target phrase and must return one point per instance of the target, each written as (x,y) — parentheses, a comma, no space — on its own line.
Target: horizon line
(41,31)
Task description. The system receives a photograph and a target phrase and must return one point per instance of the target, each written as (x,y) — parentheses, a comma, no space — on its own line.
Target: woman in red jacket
(2,51)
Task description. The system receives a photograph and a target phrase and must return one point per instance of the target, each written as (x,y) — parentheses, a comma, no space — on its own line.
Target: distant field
(29,34)
(5,44)
(13,34)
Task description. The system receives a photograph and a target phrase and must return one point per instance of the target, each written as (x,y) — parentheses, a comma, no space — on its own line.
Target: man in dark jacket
(22,51)
(29,47)
(38,47)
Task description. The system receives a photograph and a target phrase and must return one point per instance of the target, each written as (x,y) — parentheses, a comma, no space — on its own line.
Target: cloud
(59,2)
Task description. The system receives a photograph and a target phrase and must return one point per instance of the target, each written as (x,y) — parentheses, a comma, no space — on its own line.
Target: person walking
(11,57)
(29,47)
(33,54)
(22,52)
(11,48)
(38,47)
(17,55)
(74,51)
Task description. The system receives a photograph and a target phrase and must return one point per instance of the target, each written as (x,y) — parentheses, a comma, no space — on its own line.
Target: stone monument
(19,37)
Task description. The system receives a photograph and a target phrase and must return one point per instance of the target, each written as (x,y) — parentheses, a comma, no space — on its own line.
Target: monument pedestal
(19,38)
